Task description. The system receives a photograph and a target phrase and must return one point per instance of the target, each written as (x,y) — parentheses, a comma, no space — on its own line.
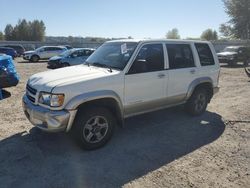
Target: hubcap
(200,102)
(95,129)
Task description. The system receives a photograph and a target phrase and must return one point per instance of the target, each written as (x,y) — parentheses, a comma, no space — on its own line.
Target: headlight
(49,99)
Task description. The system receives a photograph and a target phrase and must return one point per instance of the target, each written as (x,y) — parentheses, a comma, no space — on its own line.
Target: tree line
(209,34)
(24,31)
(238,26)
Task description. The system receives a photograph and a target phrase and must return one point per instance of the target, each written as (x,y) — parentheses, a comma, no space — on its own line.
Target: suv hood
(46,81)
(54,58)
(227,53)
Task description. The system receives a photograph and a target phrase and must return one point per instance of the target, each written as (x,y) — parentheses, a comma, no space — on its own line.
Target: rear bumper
(45,119)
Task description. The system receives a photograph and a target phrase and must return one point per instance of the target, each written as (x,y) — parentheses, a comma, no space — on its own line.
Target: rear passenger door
(55,51)
(182,70)
(43,53)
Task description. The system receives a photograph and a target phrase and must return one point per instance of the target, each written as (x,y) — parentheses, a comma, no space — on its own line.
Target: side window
(44,49)
(49,49)
(149,59)
(180,56)
(205,54)
(80,53)
(56,49)
(88,52)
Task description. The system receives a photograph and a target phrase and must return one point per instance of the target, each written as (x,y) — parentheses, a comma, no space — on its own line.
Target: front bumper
(54,64)
(226,59)
(26,57)
(45,119)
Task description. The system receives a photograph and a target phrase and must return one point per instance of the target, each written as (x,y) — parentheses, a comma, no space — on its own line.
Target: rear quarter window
(205,54)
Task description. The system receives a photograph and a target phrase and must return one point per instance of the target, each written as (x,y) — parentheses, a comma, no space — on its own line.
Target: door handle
(192,71)
(161,75)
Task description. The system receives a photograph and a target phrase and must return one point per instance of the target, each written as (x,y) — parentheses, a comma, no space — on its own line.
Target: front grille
(32,99)
(31,93)
(31,90)
(53,62)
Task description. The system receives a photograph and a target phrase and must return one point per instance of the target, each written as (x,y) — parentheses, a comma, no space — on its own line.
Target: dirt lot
(161,149)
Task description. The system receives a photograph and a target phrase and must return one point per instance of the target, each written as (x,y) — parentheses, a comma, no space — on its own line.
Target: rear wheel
(34,58)
(93,127)
(197,103)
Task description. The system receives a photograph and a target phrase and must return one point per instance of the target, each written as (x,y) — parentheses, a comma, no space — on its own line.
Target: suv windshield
(113,54)
(230,49)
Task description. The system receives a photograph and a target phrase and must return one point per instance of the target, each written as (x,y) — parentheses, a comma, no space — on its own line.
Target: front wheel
(197,103)
(246,62)
(34,58)
(65,65)
(93,127)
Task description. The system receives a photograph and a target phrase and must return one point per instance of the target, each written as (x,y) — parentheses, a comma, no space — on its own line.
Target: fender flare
(197,82)
(76,101)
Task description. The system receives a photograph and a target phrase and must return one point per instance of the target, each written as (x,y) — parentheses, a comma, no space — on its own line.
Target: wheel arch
(106,98)
(204,82)
(35,55)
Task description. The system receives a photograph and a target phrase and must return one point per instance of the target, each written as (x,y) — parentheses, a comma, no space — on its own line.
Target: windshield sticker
(124,48)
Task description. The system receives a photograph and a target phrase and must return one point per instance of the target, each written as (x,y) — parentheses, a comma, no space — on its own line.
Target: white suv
(44,52)
(121,79)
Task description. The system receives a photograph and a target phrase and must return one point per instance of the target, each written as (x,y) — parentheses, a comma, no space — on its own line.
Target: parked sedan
(8,51)
(71,57)
(19,48)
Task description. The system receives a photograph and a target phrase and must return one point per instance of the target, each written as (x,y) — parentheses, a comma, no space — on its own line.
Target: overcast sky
(117,18)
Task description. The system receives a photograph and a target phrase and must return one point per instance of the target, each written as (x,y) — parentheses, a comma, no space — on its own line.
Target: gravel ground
(162,149)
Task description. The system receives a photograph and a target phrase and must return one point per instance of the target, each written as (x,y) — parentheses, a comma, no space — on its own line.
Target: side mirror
(73,55)
(139,66)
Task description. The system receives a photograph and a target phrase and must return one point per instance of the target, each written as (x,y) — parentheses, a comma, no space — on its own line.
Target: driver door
(146,81)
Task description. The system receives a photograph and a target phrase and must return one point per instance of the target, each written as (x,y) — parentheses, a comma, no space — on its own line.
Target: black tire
(197,103)
(34,58)
(232,63)
(246,62)
(89,123)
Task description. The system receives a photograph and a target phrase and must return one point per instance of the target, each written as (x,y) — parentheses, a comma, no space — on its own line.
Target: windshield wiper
(102,65)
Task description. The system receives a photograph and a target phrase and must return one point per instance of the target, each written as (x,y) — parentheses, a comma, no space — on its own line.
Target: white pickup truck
(121,79)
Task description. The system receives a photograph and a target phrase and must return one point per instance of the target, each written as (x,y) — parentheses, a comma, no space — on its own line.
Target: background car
(68,47)
(234,54)
(8,51)
(19,49)
(44,52)
(71,57)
